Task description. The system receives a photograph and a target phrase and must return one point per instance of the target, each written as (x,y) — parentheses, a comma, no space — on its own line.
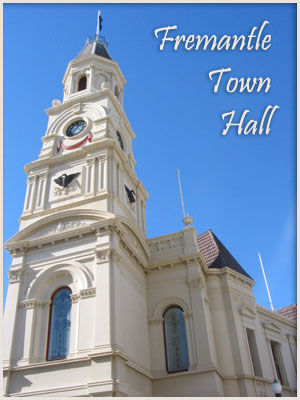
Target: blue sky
(243,188)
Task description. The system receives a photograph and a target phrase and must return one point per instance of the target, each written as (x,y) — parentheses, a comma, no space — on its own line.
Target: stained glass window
(60,324)
(175,340)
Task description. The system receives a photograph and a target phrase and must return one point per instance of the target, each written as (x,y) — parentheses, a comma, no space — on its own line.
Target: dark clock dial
(75,128)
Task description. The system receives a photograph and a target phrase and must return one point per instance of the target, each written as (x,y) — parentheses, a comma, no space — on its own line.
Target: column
(40,331)
(91,83)
(102,325)
(143,208)
(42,191)
(191,340)
(158,357)
(29,194)
(11,314)
(118,181)
(90,176)
(29,308)
(74,324)
(102,180)
(203,354)
(293,349)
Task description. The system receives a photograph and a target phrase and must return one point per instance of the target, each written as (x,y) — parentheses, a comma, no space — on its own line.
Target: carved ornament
(166,244)
(196,283)
(27,304)
(14,275)
(76,108)
(102,157)
(156,321)
(187,315)
(83,294)
(59,191)
(62,226)
(102,255)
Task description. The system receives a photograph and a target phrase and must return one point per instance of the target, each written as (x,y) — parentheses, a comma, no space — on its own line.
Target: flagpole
(98,19)
(182,205)
(262,267)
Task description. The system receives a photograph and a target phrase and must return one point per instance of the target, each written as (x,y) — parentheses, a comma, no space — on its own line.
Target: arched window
(82,83)
(175,340)
(59,324)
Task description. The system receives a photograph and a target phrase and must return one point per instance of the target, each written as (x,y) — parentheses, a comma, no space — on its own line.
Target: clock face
(75,128)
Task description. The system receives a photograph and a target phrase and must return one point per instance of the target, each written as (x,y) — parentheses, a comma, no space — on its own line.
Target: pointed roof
(216,255)
(289,312)
(96,45)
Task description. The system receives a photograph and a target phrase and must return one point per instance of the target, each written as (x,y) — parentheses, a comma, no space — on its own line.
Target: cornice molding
(172,262)
(274,315)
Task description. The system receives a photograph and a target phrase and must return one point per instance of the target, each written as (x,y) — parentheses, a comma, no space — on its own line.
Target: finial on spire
(99,23)
(186,219)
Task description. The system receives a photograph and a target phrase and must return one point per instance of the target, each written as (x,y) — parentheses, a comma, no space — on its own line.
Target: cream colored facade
(92,239)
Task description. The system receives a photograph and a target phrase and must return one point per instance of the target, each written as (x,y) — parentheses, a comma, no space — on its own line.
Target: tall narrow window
(120,140)
(277,361)
(254,352)
(175,340)
(82,83)
(117,93)
(59,324)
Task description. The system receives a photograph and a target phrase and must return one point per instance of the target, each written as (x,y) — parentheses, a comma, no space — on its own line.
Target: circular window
(75,128)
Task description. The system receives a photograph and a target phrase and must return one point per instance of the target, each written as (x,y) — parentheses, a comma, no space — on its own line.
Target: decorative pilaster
(42,191)
(90,176)
(40,330)
(143,208)
(29,193)
(292,341)
(200,324)
(29,308)
(92,79)
(11,312)
(102,159)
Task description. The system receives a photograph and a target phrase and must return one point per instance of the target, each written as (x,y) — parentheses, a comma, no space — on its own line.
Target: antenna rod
(182,205)
(262,267)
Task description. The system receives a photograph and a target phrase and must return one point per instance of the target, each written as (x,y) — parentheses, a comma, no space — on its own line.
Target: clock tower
(95,308)
(77,292)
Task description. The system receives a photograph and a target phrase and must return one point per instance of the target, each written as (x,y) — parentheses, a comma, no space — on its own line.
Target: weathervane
(186,219)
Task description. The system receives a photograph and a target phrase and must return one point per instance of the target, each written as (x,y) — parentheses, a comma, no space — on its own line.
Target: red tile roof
(215,253)
(289,312)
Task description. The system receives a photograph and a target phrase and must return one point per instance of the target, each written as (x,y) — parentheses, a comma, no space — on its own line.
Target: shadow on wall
(20,383)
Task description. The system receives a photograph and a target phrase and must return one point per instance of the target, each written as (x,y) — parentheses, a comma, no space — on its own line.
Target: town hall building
(95,308)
